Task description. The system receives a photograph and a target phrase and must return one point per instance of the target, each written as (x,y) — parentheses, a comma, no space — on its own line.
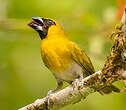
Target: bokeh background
(23,77)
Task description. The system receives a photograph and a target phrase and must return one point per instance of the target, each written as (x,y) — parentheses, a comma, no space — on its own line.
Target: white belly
(72,73)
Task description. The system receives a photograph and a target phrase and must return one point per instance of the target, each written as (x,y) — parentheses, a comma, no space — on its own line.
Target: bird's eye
(51,22)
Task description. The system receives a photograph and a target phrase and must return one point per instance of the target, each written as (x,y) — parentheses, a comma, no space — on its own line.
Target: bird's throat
(42,35)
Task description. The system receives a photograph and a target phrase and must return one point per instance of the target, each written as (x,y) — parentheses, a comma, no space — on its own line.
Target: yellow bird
(65,59)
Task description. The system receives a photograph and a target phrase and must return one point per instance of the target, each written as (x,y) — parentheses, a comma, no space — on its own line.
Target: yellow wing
(80,57)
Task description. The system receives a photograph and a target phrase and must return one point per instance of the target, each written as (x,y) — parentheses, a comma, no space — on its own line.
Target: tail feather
(109,89)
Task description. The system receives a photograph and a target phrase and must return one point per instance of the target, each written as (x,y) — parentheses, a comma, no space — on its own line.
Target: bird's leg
(59,85)
(81,77)
(77,84)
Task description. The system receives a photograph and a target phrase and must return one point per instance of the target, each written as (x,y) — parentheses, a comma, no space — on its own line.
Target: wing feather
(80,57)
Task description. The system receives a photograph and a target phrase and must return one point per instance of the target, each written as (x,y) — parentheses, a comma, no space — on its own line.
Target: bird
(64,58)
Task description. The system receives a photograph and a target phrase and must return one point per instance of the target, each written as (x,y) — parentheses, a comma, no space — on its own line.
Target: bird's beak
(36,23)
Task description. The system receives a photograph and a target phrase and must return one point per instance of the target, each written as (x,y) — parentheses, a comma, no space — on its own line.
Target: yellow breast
(55,53)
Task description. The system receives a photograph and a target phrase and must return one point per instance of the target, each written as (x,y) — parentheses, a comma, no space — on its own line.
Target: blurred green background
(23,77)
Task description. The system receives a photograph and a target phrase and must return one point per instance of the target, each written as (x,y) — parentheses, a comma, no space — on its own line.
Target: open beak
(36,23)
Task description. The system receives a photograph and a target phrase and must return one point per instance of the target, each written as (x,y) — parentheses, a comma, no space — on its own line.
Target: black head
(41,25)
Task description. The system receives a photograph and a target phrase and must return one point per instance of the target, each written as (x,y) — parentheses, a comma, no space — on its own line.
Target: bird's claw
(77,84)
(48,96)
(50,92)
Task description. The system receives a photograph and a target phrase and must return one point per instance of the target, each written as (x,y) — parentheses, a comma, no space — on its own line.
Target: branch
(113,70)
(66,96)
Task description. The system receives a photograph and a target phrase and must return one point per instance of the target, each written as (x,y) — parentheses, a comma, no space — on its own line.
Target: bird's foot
(77,84)
(48,96)
(50,92)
